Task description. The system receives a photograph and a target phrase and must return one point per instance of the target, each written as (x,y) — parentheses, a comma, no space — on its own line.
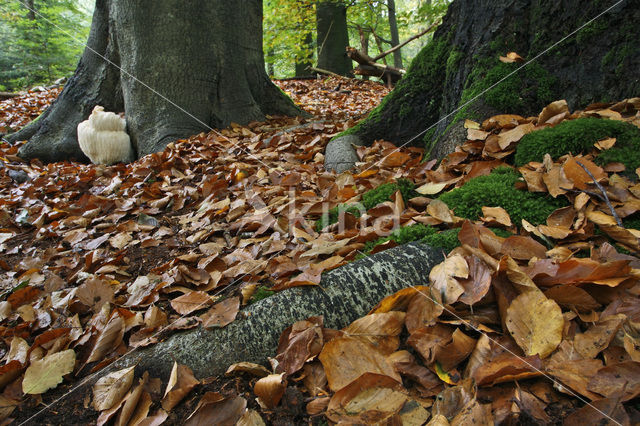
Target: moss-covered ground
(498,190)
(578,136)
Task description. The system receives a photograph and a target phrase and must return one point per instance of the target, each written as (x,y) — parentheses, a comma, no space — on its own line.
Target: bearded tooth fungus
(103,138)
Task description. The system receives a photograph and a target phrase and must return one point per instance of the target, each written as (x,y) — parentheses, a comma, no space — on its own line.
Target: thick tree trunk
(599,63)
(333,37)
(186,66)
(395,37)
(304,61)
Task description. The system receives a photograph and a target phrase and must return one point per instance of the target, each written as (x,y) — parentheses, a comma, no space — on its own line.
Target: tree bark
(395,37)
(463,58)
(186,67)
(333,37)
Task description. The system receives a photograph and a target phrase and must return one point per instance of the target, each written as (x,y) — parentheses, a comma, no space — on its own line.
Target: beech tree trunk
(205,57)
(333,37)
(598,64)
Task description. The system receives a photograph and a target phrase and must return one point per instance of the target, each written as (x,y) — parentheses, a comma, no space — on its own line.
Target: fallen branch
(604,197)
(8,95)
(321,71)
(410,39)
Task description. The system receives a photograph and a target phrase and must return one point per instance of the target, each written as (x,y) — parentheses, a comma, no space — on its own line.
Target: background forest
(40,48)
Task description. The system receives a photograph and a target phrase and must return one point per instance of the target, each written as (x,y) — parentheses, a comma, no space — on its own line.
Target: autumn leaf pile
(99,260)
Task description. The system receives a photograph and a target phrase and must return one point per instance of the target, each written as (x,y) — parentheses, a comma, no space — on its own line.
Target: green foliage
(261,292)
(370,199)
(578,136)
(497,189)
(44,45)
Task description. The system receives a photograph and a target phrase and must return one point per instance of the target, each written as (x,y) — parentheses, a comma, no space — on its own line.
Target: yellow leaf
(47,373)
(431,188)
(110,389)
(535,323)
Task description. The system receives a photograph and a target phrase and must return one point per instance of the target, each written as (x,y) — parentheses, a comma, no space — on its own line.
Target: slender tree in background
(333,37)
(395,37)
(204,56)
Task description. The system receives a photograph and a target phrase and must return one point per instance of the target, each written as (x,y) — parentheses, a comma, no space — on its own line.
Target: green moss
(531,87)
(446,240)
(370,199)
(261,292)
(497,190)
(592,30)
(453,61)
(578,136)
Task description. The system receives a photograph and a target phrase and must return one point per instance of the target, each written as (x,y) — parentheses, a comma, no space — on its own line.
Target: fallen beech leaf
(477,284)
(583,270)
(298,344)
(440,211)
(598,336)
(619,380)
(214,409)
(222,313)
(396,159)
(270,389)
(605,144)
(137,403)
(110,389)
(398,301)
(247,367)
(109,339)
(511,57)
(47,373)
(431,188)
(569,296)
(552,110)
(191,302)
(380,330)
(370,399)
(506,138)
(94,293)
(180,384)
(346,358)
(423,310)
(443,277)
(535,323)
(156,419)
(496,214)
(250,418)
(576,174)
(600,412)
(523,248)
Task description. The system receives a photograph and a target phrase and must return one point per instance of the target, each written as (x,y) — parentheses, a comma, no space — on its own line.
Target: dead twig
(605,197)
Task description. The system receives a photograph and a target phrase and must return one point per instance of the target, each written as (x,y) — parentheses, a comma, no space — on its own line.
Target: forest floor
(539,327)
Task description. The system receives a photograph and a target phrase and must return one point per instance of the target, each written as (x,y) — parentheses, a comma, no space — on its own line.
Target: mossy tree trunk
(599,63)
(204,56)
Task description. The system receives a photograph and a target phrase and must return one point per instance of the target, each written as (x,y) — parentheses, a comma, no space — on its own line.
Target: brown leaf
(443,278)
(109,339)
(346,358)
(598,336)
(617,381)
(423,310)
(552,110)
(191,302)
(214,409)
(523,248)
(298,344)
(380,330)
(94,293)
(222,313)
(180,384)
(477,284)
(370,399)
(270,389)
(576,174)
